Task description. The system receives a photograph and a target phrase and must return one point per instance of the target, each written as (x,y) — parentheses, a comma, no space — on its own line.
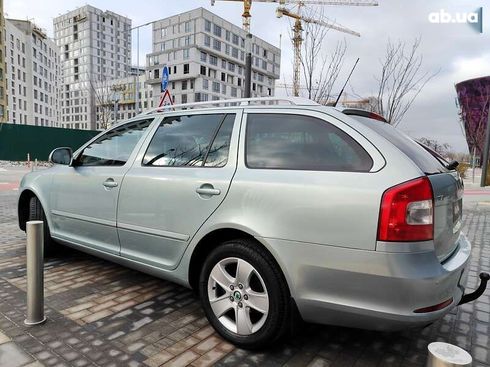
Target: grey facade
(206,57)
(33,75)
(94,46)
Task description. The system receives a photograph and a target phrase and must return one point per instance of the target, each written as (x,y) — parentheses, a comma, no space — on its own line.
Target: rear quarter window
(413,150)
(296,142)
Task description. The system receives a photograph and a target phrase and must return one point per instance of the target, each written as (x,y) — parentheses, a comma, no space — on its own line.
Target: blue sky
(457,51)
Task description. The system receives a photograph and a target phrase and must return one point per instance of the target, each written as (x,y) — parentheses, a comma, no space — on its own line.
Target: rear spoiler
(363,113)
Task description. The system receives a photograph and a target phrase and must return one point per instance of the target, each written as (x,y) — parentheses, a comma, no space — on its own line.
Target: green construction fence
(16,141)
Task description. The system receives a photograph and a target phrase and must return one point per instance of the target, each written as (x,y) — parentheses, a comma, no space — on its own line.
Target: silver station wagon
(268,208)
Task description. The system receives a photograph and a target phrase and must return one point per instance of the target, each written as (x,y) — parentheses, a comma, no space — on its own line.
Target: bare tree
(103,93)
(319,67)
(442,148)
(400,81)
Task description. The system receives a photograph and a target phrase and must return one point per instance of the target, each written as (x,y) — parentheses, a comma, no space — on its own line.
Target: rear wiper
(452,165)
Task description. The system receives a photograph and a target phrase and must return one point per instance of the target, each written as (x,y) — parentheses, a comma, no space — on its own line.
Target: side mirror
(61,156)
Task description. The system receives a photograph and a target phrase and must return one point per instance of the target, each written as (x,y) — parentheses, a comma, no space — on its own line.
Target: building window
(187,26)
(207,40)
(205,84)
(207,25)
(185,53)
(223,77)
(216,87)
(216,45)
(203,70)
(235,39)
(184,85)
(217,30)
(186,68)
(213,60)
(204,56)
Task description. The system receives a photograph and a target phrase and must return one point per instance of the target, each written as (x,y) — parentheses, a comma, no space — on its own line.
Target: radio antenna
(342,91)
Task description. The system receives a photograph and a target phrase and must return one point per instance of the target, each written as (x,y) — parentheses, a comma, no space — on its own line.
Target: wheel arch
(212,240)
(23,206)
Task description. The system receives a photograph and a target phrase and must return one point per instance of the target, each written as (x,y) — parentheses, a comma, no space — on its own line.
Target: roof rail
(295,101)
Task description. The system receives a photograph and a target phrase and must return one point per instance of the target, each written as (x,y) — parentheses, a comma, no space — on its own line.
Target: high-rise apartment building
(94,46)
(32,73)
(3,84)
(205,55)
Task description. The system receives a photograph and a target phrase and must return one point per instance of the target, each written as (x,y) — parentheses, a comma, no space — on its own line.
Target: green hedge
(16,141)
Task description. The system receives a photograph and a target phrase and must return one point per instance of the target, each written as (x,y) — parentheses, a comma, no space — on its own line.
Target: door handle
(208,190)
(110,183)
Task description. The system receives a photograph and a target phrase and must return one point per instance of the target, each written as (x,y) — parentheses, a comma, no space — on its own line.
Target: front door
(84,195)
(175,184)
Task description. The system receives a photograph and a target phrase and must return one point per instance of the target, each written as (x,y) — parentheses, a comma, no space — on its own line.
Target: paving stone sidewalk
(101,314)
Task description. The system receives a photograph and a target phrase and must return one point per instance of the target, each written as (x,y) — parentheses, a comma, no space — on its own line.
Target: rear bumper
(371,289)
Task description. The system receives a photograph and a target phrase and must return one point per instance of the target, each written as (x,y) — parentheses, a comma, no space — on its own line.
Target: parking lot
(103,314)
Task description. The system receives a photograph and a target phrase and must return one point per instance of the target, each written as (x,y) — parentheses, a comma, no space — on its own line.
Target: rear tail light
(407,212)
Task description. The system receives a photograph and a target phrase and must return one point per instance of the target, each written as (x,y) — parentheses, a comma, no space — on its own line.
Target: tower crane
(298,29)
(247,5)
(298,38)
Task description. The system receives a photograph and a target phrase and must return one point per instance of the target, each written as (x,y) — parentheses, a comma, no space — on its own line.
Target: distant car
(267,208)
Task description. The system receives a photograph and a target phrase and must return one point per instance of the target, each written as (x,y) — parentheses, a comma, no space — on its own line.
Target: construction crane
(298,29)
(298,38)
(247,5)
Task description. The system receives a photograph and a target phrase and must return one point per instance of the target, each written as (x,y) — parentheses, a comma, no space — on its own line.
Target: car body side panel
(159,209)
(371,289)
(77,190)
(312,206)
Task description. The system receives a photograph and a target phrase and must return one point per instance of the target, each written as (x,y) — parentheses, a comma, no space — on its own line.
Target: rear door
(446,185)
(176,183)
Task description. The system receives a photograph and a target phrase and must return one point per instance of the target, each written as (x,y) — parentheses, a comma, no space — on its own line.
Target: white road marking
(3,169)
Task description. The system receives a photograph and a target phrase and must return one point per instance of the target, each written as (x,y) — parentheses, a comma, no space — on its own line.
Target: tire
(258,297)
(36,212)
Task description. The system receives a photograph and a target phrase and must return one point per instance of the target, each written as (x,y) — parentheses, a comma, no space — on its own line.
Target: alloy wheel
(238,296)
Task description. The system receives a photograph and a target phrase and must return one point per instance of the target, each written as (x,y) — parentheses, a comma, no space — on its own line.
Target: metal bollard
(35,273)
(447,355)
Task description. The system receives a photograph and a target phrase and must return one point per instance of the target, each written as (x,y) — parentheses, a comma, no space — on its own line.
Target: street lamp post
(115,100)
(137,97)
(248,65)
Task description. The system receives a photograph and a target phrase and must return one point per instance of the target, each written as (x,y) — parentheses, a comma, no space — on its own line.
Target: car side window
(296,142)
(114,147)
(186,141)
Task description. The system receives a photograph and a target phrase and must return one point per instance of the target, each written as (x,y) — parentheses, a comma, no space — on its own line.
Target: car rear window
(420,156)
